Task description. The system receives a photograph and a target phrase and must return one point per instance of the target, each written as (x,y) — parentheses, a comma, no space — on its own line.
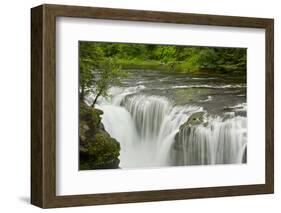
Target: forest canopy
(172,58)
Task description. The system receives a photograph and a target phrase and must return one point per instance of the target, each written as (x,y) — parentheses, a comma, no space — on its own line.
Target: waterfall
(146,127)
(218,142)
(148,114)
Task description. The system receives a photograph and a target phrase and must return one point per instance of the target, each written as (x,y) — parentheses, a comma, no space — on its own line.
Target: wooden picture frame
(43,105)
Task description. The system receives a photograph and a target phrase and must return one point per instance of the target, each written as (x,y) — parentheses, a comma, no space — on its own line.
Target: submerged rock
(97,149)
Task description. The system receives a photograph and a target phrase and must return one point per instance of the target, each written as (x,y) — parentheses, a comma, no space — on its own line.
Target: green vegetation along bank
(172,58)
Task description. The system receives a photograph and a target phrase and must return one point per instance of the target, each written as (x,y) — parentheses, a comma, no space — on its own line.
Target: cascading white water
(146,126)
(148,114)
(218,142)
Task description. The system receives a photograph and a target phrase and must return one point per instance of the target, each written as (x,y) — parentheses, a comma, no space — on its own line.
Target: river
(145,115)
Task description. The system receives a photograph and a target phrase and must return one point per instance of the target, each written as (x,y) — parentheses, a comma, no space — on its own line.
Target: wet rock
(178,147)
(196,118)
(97,149)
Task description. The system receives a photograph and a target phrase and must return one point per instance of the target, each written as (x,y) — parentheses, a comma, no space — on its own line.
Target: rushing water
(145,115)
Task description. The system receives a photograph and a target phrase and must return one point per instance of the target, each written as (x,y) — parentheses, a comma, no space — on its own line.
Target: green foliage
(98,71)
(164,54)
(224,60)
(90,56)
(140,64)
(109,75)
(174,58)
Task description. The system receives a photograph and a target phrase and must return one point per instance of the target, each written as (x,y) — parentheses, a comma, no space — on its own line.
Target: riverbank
(177,67)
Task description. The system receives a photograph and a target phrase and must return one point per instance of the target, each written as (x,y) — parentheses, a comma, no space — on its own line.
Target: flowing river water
(146,114)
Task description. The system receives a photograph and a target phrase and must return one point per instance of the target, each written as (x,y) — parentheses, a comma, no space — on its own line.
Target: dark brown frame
(43,105)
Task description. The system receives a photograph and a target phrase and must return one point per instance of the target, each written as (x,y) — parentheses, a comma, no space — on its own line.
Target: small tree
(110,74)
(90,55)
(97,72)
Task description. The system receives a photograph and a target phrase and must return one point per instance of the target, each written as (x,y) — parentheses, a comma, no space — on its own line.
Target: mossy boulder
(91,116)
(98,150)
(103,151)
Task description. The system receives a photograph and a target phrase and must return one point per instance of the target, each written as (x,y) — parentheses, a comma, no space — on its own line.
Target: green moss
(90,115)
(102,146)
(103,151)
(195,119)
(97,149)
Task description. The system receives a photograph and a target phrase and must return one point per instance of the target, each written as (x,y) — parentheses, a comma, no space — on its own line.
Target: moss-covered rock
(196,118)
(91,116)
(98,150)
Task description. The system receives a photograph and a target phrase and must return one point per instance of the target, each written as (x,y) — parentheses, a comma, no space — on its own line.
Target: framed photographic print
(136,106)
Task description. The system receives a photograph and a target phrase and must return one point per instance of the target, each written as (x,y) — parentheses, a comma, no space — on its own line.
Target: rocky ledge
(97,149)
(182,137)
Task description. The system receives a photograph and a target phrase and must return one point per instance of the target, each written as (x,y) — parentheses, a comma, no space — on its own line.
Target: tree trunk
(82,94)
(96,98)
